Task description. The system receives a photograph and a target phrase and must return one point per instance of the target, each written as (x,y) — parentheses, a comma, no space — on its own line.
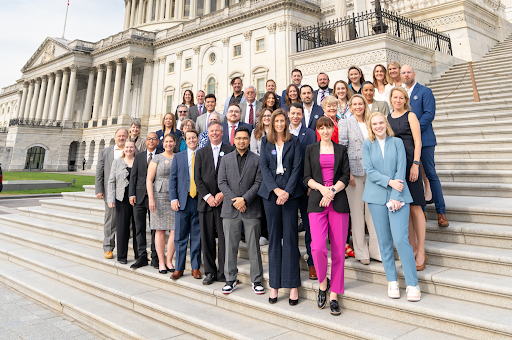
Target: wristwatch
(416,162)
(333,190)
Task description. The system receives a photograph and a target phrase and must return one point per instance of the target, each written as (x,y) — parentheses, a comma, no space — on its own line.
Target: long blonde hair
(128,140)
(367,112)
(407,105)
(371,135)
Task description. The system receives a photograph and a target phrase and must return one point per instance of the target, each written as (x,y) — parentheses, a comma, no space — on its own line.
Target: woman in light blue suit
(388,198)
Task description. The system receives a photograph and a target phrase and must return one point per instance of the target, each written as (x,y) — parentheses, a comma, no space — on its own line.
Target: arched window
(212,85)
(35,158)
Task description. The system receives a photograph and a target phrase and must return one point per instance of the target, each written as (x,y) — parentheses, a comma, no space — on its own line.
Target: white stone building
(73,95)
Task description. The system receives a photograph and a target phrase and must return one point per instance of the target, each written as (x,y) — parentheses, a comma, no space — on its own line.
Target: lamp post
(380,26)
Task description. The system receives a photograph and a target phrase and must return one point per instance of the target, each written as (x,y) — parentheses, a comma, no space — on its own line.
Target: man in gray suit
(105,160)
(368,90)
(250,108)
(202,121)
(198,109)
(239,181)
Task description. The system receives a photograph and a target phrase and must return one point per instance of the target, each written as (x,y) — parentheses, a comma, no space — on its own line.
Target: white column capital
(92,70)
(129,58)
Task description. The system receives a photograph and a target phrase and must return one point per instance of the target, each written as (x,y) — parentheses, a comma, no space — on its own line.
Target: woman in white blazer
(117,196)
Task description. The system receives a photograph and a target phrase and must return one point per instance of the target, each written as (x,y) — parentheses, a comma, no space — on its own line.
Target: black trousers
(141,211)
(124,214)
(211,225)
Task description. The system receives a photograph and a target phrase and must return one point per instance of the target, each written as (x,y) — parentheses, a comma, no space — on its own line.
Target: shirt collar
(296,131)
(235,125)
(117,147)
(213,146)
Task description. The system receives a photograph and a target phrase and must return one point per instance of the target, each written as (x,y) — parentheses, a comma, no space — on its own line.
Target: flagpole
(65,20)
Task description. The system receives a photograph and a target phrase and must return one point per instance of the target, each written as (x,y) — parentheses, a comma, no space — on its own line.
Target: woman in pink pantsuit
(327,173)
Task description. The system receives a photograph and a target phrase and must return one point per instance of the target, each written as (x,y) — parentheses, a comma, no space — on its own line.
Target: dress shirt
(296,131)
(178,124)
(230,125)
(189,156)
(118,152)
(382,144)
(216,151)
(364,130)
(307,114)
(370,106)
(150,153)
(279,169)
(241,160)
(319,95)
(409,91)
(248,110)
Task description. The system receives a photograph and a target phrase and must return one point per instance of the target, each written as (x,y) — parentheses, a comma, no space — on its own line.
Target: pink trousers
(337,225)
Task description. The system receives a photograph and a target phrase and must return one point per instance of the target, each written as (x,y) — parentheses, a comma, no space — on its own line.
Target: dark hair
(272,80)
(287,99)
(297,106)
(173,137)
(367,83)
(210,95)
(272,133)
(233,80)
(242,129)
(191,95)
(260,128)
(324,121)
(191,130)
(264,101)
(235,104)
(306,85)
(361,80)
(296,70)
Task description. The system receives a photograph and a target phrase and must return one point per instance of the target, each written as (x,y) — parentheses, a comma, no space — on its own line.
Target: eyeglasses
(267,116)
(153,139)
(241,138)
(182,111)
(406,72)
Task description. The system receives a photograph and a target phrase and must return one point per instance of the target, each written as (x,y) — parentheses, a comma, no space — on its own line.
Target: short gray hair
(125,130)
(136,122)
(215,123)
(250,87)
(183,105)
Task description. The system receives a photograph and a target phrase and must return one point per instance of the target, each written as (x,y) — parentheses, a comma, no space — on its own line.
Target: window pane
(169,104)
(188,63)
(211,86)
(171,67)
(237,50)
(260,85)
(260,44)
(186,9)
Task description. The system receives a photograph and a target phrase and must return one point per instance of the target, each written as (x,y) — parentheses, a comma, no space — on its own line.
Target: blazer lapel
(359,133)
(316,155)
(336,157)
(246,165)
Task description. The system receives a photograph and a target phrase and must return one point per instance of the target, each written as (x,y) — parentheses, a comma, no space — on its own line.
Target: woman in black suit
(327,173)
(280,160)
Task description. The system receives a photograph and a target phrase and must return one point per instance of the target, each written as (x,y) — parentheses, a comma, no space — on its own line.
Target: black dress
(402,130)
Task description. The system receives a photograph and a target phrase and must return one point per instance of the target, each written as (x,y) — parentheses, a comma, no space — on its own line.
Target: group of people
(356,157)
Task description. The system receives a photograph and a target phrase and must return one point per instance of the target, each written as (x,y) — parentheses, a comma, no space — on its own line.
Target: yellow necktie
(193,189)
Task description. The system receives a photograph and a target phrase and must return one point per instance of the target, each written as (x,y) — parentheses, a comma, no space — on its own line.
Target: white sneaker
(413,293)
(258,288)
(263,241)
(393,290)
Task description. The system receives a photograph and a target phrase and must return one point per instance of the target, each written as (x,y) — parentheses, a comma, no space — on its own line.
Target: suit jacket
(138,177)
(246,185)
(380,170)
(205,173)
(105,160)
(315,95)
(313,170)
(160,135)
(226,133)
(306,137)
(201,125)
(226,104)
(193,112)
(423,104)
(378,106)
(256,107)
(316,112)
(179,179)
(291,164)
(351,136)
(117,181)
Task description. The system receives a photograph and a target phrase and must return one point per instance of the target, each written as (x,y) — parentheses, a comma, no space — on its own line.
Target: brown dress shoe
(109,255)
(312,273)
(196,274)
(442,221)
(176,275)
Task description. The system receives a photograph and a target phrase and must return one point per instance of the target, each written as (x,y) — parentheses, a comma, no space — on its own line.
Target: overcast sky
(25,24)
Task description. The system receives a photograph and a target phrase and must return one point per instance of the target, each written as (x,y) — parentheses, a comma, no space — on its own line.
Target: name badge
(221,153)
(316,116)
(415,97)
(274,152)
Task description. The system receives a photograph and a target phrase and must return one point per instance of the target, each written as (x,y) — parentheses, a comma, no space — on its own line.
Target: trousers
(211,224)
(187,225)
(303,207)
(109,229)
(427,159)
(124,215)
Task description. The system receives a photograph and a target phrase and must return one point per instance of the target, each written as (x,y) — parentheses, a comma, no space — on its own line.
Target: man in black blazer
(233,115)
(311,111)
(139,200)
(209,203)
(198,109)
(240,180)
(323,88)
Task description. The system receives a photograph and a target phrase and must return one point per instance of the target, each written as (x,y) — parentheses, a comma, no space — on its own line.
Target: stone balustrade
(405,6)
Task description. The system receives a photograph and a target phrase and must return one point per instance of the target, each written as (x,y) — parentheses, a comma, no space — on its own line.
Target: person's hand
(395,205)
(243,209)
(175,205)
(324,202)
(99,196)
(352,181)
(111,205)
(282,198)
(152,205)
(415,172)
(211,201)
(219,198)
(239,203)
(327,192)
(396,184)
(133,200)
(309,191)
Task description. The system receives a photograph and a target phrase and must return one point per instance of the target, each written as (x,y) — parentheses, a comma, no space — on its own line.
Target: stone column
(88,97)
(154,86)
(161,107)
(141,11)
(207,7)
(127,85)
(23,102)
(117,87)
(146,86)
(222,4)
(40,101)
(14,114)
(162,10)
(71,94)
(106,94)
(55,98)
(193,9)
(127,6)
(132,14)
(62,96)
(26,114)
(157,10)
(35,96)
(97,94)
(168,9)
(178,9)
(48,97)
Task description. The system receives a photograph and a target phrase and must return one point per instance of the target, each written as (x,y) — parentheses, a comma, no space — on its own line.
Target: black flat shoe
(169,269)
(209,279)
(293,302)
(430,202)
(163,271)
(322,295)
(272,300)
(122,261)
(335,308)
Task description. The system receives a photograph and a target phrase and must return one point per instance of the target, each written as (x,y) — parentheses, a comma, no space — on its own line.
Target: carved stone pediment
(49,50)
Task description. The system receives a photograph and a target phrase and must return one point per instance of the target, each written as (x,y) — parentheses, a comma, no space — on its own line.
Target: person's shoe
(242,238)
(196,274)
(140,262)
(422,266)
(393,290)
(221,278)
(365,261)
(164,271)
(258,288)
(413,293)
(300,228)
(335,308)
(209,279)
(176,275)
(430,202)
(312,273)
(322,295)
(155,263)
(109,255)
(263,241)
(442,221)
(293,302)
(122,261)
(229,287)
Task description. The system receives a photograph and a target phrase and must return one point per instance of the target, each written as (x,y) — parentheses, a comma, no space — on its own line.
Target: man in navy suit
(423,104)
(183,197)
(297,80)
(233,115)
(311,111)
(306,136)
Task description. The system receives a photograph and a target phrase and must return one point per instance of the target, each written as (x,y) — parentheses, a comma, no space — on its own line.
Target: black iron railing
(368,24)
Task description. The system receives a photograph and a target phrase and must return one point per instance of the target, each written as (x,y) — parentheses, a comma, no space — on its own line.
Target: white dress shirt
(118,152)
(307,114)
(279,169)
(216,152)
(319,95)
(150,153)
(189,157)
(382,144)
(296,131)
(230,125)
(409,91)
(248,110)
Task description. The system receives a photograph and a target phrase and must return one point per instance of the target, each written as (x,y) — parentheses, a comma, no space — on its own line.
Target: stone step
(475,153)
(472,107)
(448,144)
(456,116)
(463,126)
(81,197)
(74,206)
(473,164)
(481,62)
(465,92)
(496,66)
(497,55)
(479,189)
(76,218)
(476,133)
(479,176)
(89,189)
(456,82)
(110,319)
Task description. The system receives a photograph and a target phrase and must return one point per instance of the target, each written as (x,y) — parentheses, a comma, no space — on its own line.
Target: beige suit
(381,107)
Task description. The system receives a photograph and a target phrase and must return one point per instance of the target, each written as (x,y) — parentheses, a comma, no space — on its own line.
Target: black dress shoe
(221,278)
(272,300)
(430,202)
(322,295)
(169,269)
(122,261)
(335,308)
(163,271)
(155,263)
(293,302)
(209,279)
(140,262)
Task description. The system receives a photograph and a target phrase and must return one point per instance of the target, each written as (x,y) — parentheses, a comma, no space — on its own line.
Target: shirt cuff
(174,200)
(206,197)
(131,196)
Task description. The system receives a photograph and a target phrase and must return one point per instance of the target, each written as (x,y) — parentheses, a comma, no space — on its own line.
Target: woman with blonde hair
(343,93)
(353,132)
(330,107)
(394,77)
(388,198)
(168,126)
(381,83)
(406,126)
